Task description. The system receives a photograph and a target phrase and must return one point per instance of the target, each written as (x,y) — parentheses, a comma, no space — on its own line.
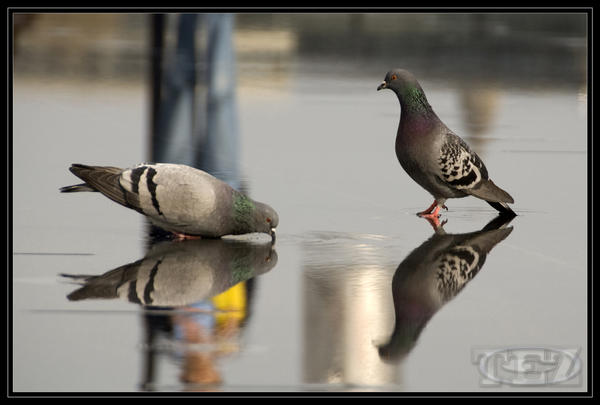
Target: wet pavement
(356,294)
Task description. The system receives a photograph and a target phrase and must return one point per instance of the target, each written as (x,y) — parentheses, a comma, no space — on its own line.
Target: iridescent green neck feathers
(412,99)
(243,211)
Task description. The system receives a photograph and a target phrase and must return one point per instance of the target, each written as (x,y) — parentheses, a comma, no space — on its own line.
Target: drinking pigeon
(434,156)
(178,198)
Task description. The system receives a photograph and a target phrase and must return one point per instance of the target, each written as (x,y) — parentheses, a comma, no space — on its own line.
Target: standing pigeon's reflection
(357,330)
(433,274)
(179,273)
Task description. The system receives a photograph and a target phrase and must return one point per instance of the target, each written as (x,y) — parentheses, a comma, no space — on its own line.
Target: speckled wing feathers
(460,167)
(463,170)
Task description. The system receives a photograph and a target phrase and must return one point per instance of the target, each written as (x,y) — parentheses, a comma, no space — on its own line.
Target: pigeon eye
(269,220)
(394,77)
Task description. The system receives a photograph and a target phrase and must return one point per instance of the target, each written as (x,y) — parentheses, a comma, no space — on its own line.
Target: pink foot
(428,210)
(432,211)
(183,236)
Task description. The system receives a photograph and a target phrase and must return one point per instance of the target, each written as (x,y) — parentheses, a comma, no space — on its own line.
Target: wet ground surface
(350,297)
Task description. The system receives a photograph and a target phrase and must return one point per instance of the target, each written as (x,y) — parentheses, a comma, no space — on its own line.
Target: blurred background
(284,107)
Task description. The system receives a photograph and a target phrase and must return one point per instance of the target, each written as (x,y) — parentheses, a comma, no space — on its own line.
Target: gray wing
(176,197)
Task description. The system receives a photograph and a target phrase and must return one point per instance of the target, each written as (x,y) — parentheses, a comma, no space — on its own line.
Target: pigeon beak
(383,85)
(272,236)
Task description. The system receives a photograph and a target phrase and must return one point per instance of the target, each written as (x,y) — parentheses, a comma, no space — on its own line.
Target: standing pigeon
(433,156)
(178,198)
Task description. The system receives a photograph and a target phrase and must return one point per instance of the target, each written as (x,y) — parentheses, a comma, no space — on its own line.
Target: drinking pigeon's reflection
(179,273)
(433,274)
(196,295)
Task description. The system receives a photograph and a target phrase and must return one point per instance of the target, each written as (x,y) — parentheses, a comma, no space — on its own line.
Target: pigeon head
(253,216)
(267,216)
(266,219)
(407,88)
(398,80)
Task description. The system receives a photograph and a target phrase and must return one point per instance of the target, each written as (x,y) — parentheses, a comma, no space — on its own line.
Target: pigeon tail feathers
(490,192)
(104,179)
(75,188)
(494,195)
(502,208)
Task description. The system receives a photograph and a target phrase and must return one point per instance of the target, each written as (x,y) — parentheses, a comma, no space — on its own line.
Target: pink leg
(183,236)
(428,210)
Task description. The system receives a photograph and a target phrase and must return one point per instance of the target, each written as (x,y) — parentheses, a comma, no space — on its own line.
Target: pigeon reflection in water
(432,275)
(179,273)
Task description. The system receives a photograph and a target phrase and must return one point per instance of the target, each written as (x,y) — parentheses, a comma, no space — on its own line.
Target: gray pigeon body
(433,156)
(178,198)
